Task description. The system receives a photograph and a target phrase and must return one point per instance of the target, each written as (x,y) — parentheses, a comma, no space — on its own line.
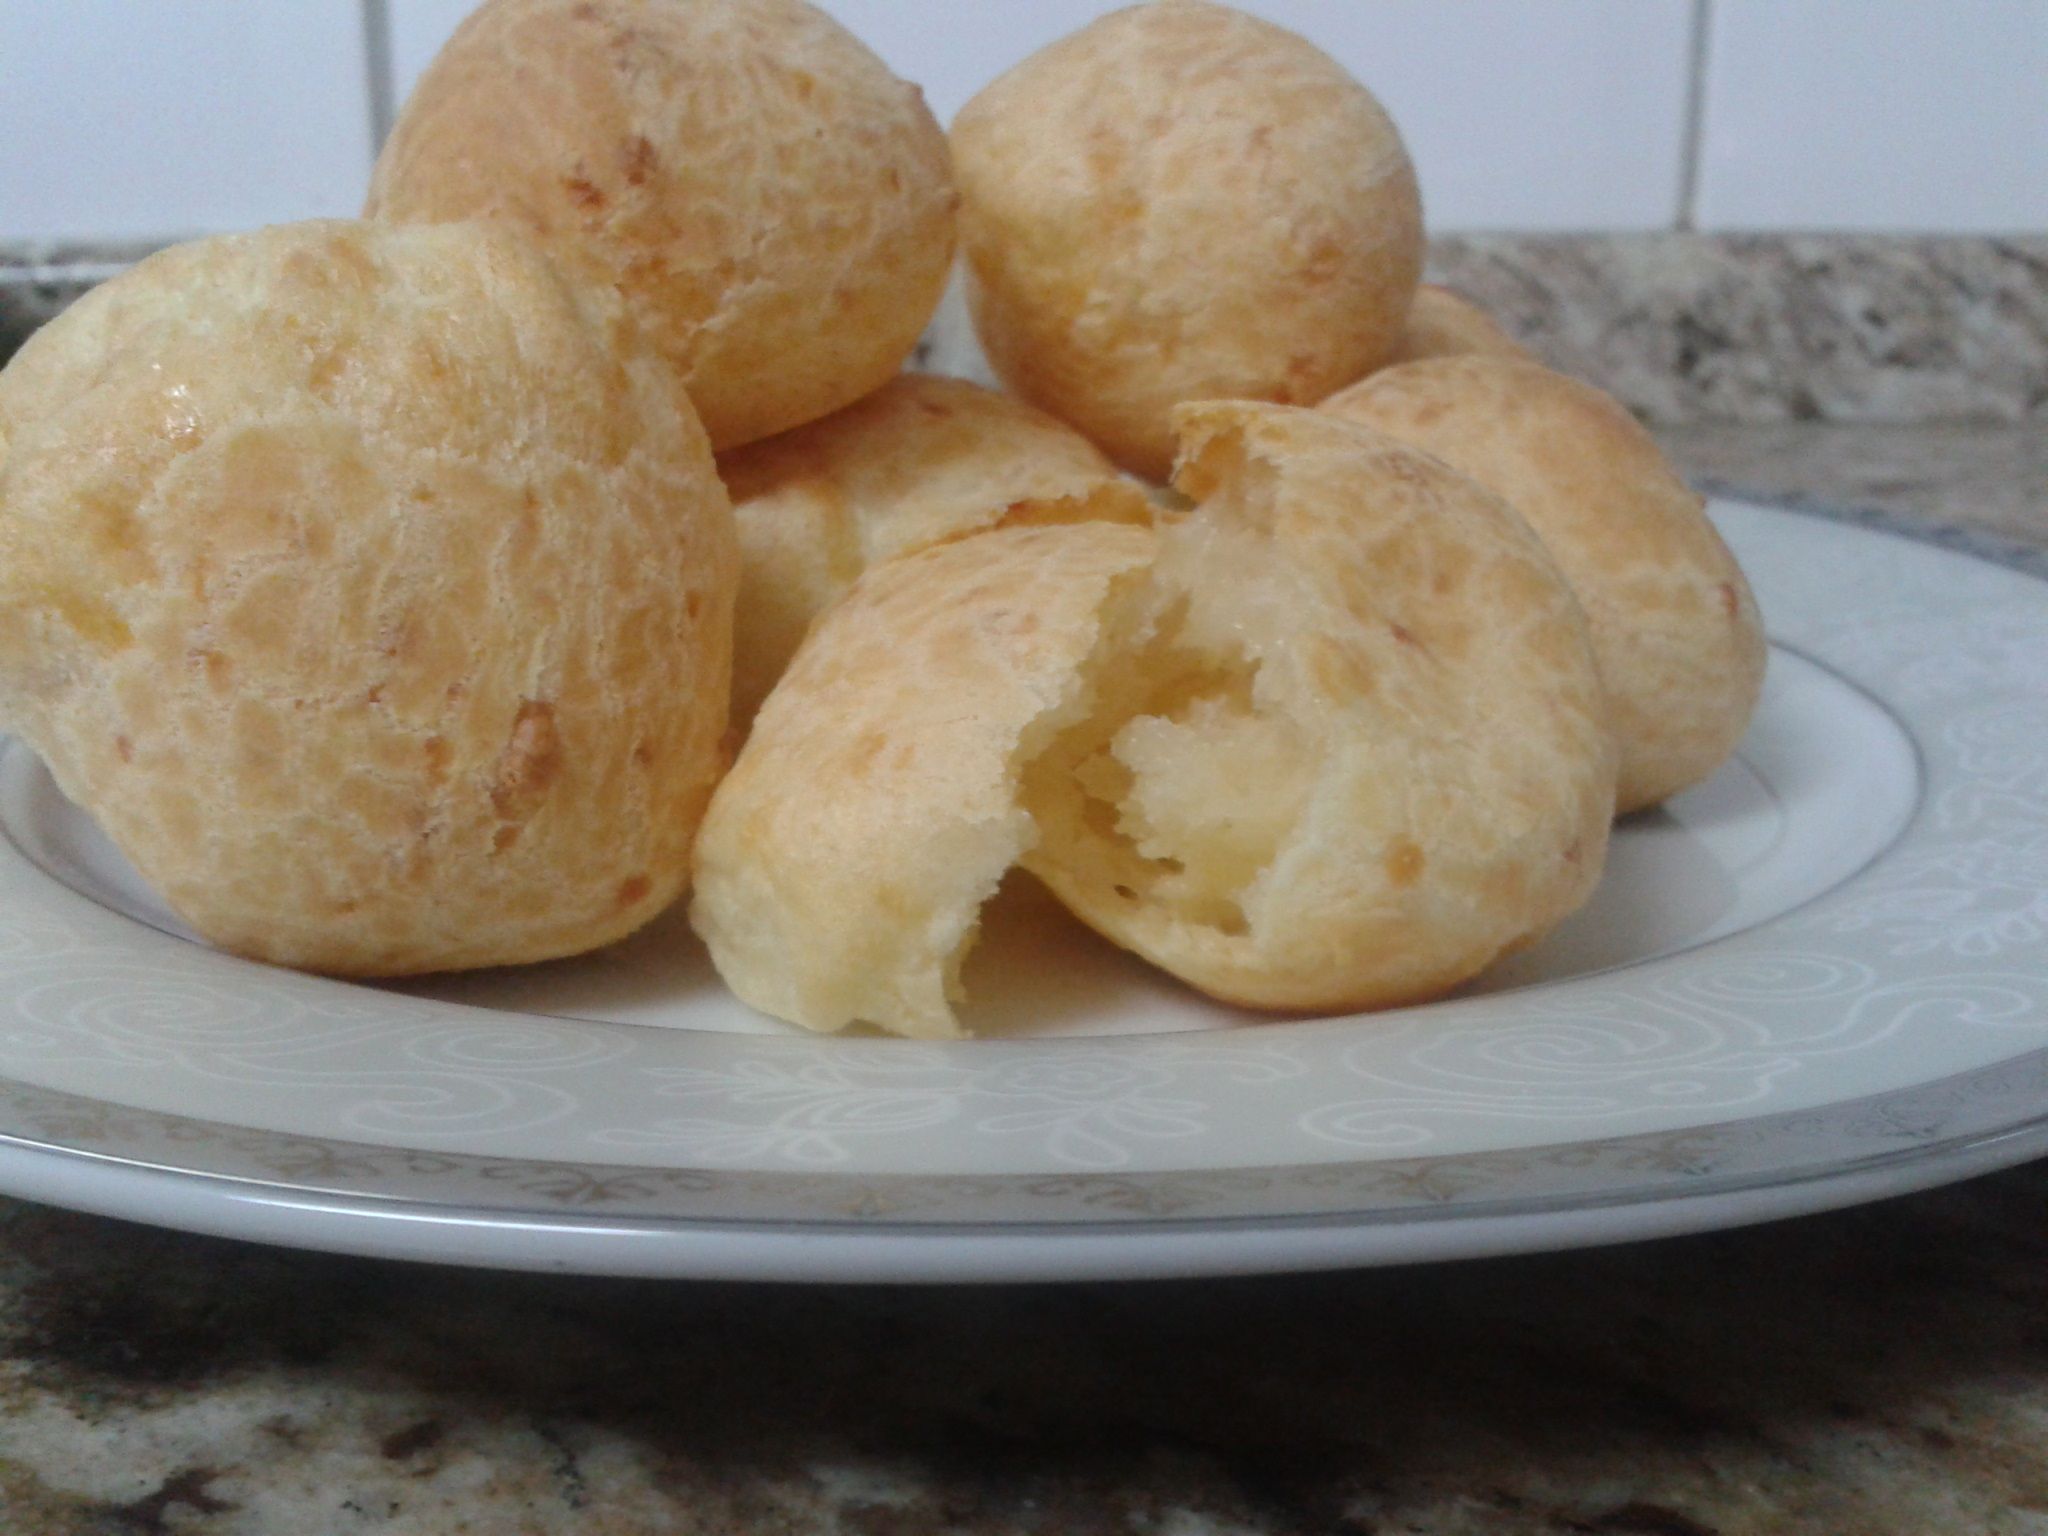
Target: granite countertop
(1883,1370)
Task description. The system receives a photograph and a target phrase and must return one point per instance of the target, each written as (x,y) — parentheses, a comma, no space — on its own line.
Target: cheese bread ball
(1354,747)
(373,589)
(776,207)
(1674,624)
(1334,738)
(1444,323)
(874,809)
(922,460)
(1181,202)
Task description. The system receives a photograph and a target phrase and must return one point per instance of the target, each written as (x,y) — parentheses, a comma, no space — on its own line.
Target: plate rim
(884,1253)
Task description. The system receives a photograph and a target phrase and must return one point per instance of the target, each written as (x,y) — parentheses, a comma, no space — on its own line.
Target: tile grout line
(377,65)
(39,274)
(1692,146)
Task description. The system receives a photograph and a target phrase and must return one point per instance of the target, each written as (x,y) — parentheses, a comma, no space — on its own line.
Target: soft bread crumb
(874,809)
(1360,750)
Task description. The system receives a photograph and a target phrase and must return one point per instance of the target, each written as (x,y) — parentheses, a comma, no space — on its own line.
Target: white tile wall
(127,118)
(1522,114)
(141,118)
(418,29)
(1876,114)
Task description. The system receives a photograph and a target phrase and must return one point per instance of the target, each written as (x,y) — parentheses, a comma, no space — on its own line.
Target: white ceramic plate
(1821,978)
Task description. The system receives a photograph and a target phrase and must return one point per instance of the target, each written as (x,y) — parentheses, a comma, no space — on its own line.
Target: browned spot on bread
(634,891)
(864,752)
(94,622)
(584,192)
(530,763)
(325,373)
(1729,601)
(637,160)
(213,666)
(1405,863)
(1399,467)
(124,749)
(435,750)
(1009,621)
(1340,671)
(1324,262)
(1405,636)
(1300,370)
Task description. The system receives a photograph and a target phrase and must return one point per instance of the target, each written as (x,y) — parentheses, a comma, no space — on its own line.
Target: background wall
(143,119)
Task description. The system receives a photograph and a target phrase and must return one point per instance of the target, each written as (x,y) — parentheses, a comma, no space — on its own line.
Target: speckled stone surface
(1988,477)
(1882,1372)
(1766,328)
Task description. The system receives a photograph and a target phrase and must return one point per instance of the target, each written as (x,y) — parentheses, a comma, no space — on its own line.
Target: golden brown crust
(1442,322)
(373,589)
(873,810)
(776,207)
(1674,623)
(1332,739)
(1181,202)
(922,460)
(1361,750)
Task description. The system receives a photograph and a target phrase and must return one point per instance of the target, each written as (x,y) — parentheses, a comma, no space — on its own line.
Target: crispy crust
(1675,626)
(1332,739)
(1368,753)
(922,460)
(1181,202)
(375,602)
(776,207)
(1442,322)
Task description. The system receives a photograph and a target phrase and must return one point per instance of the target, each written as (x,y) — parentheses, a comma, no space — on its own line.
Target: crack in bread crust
(1332,738)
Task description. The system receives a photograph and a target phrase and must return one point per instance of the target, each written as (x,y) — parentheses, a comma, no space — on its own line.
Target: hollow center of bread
(1181,785)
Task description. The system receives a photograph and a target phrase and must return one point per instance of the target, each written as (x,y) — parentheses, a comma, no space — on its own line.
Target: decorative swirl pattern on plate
(801,1109)
(1971,901)
(1690,1037)
(1087,1109)
(2001,761)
